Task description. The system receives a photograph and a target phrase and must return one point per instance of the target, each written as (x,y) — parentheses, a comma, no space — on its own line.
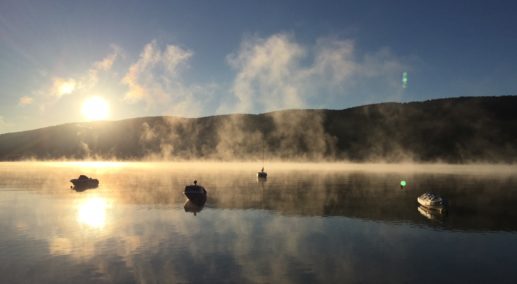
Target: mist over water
(458,130)
(306,223)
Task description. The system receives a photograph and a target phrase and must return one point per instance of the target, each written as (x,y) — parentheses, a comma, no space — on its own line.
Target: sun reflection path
(92,212)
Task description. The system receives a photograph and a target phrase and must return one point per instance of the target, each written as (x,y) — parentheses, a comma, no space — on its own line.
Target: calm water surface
(302,225)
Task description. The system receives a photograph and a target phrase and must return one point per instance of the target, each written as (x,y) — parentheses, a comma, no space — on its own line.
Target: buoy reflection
(92,212)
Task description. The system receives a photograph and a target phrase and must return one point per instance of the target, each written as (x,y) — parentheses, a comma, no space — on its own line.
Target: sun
(95,108)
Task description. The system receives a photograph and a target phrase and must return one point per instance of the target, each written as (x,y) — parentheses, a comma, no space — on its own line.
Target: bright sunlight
(95,108)
(92,212)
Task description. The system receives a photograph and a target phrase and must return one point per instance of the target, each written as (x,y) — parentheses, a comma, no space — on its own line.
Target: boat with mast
(262,174)
(195,193)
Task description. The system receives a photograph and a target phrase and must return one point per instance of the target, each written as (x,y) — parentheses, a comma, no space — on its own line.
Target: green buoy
(403,183)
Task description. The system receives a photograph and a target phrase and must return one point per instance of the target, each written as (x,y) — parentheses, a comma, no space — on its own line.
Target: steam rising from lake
(320,221)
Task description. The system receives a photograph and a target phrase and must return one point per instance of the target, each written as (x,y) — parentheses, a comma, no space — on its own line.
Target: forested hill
(457,130)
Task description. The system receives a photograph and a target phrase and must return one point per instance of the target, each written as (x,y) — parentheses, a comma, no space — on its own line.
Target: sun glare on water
(92,212)
(95,108)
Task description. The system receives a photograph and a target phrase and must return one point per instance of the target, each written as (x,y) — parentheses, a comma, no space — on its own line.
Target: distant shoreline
(277,166)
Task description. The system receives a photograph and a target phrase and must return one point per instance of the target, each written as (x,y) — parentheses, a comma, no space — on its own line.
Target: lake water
(331,223)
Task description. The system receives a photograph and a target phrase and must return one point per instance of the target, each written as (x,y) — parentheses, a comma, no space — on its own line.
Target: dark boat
(84,182)
(195,193)
(262,174)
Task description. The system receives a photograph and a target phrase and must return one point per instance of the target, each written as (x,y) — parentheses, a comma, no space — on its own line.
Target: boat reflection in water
(433,213)
(194,207)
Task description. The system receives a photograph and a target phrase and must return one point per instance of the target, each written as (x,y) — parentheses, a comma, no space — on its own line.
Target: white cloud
(63,86)
(334,61)
(267,71)
(271,73)
(152,77)
(25,100)
(84,83)
(155,80)
(107,62)
(278,73)
(90,80)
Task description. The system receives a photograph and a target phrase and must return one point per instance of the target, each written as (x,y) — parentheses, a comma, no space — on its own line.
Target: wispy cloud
(155,79)
(91,79)
(277,73)
(267,71)
(63,86)
(25,100)
(107,62)
(151,77)
(60,86)
(271,73)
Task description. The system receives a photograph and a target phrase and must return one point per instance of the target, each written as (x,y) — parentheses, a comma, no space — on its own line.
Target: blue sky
(198,58)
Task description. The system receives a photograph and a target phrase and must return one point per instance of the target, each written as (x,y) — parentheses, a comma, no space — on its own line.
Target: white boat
(430,199)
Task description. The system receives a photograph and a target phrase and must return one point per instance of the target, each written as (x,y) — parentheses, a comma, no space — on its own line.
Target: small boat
(195,193)
(84,182)
(262,174)
(431,200)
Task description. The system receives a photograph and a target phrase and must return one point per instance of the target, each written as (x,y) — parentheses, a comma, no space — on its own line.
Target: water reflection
(434,214)
(60,246)
(312,227)
(193,207)
(92,212)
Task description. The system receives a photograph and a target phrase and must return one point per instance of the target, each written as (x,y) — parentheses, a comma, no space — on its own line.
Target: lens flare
(404,80)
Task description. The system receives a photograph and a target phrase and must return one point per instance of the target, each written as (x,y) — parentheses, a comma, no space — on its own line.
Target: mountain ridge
(455,130)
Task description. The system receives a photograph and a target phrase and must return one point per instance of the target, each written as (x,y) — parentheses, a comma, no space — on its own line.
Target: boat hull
(431,200)
(83,184)
(196,194)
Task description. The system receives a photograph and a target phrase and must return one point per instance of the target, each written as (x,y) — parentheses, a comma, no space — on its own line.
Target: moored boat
(430,199)
(84,182)
(262,174)
(195,193)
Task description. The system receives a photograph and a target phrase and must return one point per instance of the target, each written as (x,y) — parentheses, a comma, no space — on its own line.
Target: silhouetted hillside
(469,129)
